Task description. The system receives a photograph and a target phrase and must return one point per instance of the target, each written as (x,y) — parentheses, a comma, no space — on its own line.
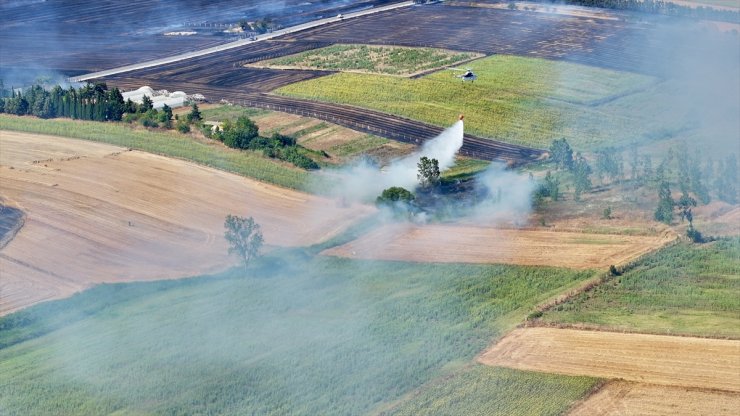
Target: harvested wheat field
(626,398)
(469,244)
(655,359)
(99,213)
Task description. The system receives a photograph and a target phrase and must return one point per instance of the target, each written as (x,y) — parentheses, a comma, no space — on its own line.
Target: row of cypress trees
(89,102)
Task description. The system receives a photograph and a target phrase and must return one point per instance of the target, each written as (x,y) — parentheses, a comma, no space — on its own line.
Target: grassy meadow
(388,60)
(302,335)
(166,143)
(528,101)
(683,289)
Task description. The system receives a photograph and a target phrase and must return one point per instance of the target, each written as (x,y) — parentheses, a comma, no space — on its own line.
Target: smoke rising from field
(507,196)
(364,181)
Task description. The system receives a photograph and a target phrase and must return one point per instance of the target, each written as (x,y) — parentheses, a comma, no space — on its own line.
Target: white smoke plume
(508,196)
(363,181)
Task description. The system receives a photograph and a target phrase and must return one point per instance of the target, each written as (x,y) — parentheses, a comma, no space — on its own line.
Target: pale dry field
(469,244)
(654,359)
(99,213)
(625,398)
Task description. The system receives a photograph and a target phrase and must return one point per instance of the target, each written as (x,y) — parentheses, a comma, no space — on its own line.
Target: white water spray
(364,182)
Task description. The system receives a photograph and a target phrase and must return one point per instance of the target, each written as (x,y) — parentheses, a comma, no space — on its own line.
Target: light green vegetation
(528,101)
(166,143)
(389,60)
(230,112)
(304,335)
(482,390)
(465,168)
(358,146)
(683,289)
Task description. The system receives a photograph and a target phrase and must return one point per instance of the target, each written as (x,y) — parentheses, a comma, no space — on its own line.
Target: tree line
(656,7)
(89,102)
(699,179)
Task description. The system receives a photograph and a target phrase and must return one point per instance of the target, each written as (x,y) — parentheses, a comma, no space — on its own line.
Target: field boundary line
(597,280)
(238,43)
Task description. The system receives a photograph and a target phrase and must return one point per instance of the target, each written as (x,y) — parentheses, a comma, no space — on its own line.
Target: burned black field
(76,37)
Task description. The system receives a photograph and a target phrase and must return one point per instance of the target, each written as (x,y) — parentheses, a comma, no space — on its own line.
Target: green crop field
(492,391)
(527,101)
(389,60)
(303,335)
(683,289)
(246,163)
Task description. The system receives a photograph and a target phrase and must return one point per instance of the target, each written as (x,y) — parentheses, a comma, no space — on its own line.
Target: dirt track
(99,213)
(655,359)
(624,398)
(469,244)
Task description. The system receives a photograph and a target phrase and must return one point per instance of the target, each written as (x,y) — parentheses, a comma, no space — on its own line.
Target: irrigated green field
(302,336)
(683,289)
(389,60)
(528,101)
(247,163)
(494,391)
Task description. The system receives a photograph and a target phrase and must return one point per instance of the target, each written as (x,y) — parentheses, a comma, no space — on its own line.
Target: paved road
(236,44)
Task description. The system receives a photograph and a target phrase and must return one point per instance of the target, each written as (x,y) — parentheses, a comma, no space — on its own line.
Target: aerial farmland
(370,207)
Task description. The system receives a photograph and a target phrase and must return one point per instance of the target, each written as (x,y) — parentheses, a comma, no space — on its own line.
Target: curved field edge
(683,289)
(302,335)
(245,163)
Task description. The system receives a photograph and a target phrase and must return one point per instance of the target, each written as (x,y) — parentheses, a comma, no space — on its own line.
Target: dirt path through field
(625,398)
(446,243)
(100,213)
(655,359)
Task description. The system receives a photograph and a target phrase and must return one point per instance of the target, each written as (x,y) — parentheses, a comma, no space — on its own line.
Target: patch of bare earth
(477,244)
(99,213)
(655,359)
(626,398)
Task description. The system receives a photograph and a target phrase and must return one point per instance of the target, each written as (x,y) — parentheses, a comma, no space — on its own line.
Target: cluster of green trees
(562,155)
(404,202)
(259,26)
(696,179)
(90,102)
(244,134)
(656,7)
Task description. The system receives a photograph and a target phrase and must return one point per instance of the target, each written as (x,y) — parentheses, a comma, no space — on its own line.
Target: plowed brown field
(655,359)
(471,244)
(625,398)
(99,213)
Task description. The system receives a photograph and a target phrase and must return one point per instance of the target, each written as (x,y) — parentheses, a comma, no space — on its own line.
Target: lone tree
(428,171)
(581,172)
(664,211)
(244,237)
(395,194)
(194,115)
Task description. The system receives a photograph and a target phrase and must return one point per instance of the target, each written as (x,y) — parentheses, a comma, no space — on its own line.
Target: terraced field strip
(99,213)
(478,244)
(655,359)
(626,398)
